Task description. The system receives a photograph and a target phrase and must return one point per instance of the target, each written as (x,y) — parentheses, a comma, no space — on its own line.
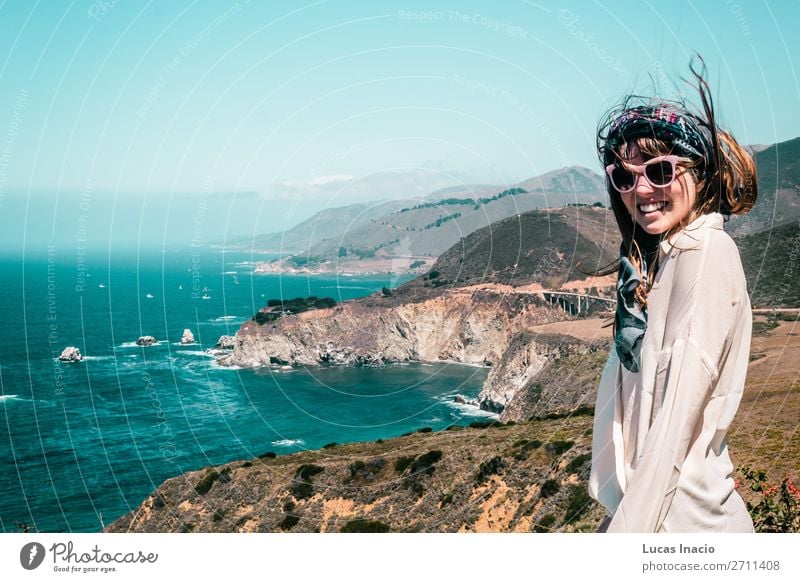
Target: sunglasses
(658,172)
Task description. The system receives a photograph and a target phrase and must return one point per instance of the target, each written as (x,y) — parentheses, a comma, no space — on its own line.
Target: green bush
(207,481)
(558,448)
(267,455)
(484,424)
(305,472)
(425,429)
(288,522)
(402,463)
(578,462)
(777,507)
(301,489)
(550,488)
(365,526)
(545,524)
(578,503)
(301,486)
(489,468)
(425,463)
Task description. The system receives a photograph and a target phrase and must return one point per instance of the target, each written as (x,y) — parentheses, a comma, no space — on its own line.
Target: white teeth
(652,207)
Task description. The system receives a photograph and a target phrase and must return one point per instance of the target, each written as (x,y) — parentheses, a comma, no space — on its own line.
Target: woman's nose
(643,188)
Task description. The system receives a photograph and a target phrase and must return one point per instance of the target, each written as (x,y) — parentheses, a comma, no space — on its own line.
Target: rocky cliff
(480,324)
(528,477)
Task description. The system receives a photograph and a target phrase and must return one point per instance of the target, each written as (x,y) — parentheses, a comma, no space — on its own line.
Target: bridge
(577,303)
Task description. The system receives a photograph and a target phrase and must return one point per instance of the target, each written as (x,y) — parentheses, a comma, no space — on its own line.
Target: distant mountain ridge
(396,233)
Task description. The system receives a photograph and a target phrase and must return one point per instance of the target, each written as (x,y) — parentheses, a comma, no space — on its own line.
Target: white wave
(98,358)
(225,318)
(196,353)
(346,287)
(135,345)
(5,397)
(288,442)
(230,272)
(467,409)
(216,366)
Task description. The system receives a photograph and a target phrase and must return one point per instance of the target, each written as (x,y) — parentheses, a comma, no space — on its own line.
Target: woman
(675,375)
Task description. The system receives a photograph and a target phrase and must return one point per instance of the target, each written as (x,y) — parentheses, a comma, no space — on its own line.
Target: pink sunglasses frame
(641,170)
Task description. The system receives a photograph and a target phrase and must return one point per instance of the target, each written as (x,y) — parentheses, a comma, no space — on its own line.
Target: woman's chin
(654,225)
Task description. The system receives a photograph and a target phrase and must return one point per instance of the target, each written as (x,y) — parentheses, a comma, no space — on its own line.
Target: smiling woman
(682,330)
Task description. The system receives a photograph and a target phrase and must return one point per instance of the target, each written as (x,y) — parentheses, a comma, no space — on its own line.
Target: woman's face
(678,198)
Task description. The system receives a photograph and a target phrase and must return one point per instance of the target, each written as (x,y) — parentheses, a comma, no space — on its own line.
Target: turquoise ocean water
(82,444)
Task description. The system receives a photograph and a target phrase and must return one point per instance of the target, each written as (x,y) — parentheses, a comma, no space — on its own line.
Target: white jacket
(659,454)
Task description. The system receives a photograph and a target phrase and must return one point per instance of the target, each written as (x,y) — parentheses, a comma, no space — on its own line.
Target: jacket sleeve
(606,466)
(698,328)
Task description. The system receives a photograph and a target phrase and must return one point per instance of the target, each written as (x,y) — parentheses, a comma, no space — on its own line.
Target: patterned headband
(688,135)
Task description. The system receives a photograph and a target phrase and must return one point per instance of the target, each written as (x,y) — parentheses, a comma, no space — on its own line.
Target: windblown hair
(725,175)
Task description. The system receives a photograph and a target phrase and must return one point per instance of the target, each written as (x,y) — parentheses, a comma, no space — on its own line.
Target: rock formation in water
(146,340)
(70,354)
(187,337)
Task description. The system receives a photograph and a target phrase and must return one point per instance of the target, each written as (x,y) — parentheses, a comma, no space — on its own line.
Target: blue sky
(307,105)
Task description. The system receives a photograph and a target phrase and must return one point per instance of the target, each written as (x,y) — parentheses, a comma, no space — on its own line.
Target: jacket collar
(690,236)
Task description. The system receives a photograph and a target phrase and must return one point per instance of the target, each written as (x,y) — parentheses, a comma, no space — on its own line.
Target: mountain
(392,236)
(771,266)
(548,247)
(778,169)
(325,224)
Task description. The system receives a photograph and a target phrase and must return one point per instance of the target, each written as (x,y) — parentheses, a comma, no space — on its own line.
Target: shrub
(524,447)
(329,445)
(365,526)
(578,462)
(777,507)
(545,524)
(301,489)
(289,521)
(425,429)
(402,463)
(550,488)
(445,500)
(301,486)
(267,455)
(558,448)
(305,472)
(483,424)
(489,468)
(425,463)
(368,470)
(577,503)
(206,481)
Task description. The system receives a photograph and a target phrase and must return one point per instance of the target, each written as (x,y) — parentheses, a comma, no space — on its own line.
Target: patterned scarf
(630,319)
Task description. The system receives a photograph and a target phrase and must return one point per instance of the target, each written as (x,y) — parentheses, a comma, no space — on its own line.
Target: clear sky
(311,104)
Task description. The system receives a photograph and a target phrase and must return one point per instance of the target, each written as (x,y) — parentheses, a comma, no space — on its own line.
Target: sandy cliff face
(472,326)
(485,325)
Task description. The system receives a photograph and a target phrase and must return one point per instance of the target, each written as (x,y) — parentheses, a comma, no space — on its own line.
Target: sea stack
(225,342)
(187,337)
(70,354)
(146,340)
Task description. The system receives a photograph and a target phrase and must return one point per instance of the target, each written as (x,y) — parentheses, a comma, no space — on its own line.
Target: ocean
(82,444)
